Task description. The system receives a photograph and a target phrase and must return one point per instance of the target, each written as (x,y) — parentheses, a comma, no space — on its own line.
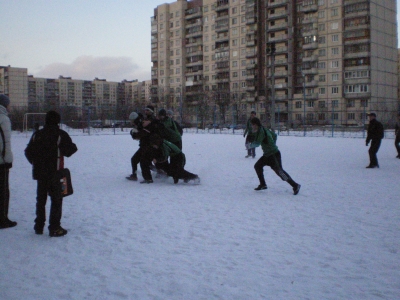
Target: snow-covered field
(338,239)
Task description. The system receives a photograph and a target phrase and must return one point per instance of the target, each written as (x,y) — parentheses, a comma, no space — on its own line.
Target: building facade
(295,62)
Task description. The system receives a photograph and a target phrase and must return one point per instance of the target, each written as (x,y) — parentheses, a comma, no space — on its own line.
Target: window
(321,91)
(234,10)
(321,14)
(335,103)
(335,90)
(321,2)
(178,61)
(335,64)
(335,25)
(234,74)
(234,21)
(322,65)
(310,103)
(335,77)
(321,40)
(243,84)
(298,104)
(351,116)
(234,63)
(335,51)
(321,27)
(235,53)
(334,12)
(322,52)
(234,42)
(298,117)
(335,38)
(243,73)
(322,78)
(350,103)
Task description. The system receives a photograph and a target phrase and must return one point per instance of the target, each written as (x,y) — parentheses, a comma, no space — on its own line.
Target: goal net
(30,119)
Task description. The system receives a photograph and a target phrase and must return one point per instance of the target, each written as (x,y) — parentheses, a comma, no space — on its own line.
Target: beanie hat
(53,118)
(253,112)
(162,112)
(4,100)
(150,108)
(133,116)
(170,112)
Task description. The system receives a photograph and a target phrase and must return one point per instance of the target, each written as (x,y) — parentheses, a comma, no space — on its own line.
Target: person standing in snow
(271,156)
(46,151)
(248,133)
(375,135)
(6,160)
(136,119)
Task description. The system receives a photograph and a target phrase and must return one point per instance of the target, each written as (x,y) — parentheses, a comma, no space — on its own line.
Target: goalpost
(25,122)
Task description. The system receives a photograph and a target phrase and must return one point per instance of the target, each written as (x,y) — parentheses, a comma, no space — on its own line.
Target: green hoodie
(267,140)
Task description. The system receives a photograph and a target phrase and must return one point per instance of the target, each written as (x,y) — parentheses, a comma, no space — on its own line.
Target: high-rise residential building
(14,83)
(298,62)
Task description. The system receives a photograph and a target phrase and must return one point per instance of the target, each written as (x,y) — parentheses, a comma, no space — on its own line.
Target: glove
(8,165)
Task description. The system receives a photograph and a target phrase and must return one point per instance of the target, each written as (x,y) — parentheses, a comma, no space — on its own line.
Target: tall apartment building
(14,83)
(317,61)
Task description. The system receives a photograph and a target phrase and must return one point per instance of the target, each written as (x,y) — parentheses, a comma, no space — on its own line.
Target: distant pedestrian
(271,156)
(375,135)
(397,136)
(248,133)
(6,160)
(46,151)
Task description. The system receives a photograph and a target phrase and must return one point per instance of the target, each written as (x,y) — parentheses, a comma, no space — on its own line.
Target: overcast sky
(82,39)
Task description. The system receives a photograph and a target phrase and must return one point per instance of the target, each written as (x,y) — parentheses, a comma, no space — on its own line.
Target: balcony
(357,95)
(222,28)
(222,38)
(222,17)
(194,24)
(250,88)
(313,96)
(194,63)
(278,38)
(280,74)
(276,27)
(251,20)
(312,83)
(251,66)
(281,98)
(281,61)
(313,20)
(197,14)
(251,43)
(309,8)
(309,32)
(277,15)
(277,3)
(154,57)
(310,58)
(222,6)
(194,34)
(310,46)
(310,71)
(281,85)
(250,54)
(357,54)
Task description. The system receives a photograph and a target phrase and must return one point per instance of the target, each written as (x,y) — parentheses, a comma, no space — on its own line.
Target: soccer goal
(31,118)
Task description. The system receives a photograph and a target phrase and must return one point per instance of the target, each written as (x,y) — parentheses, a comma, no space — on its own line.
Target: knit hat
(4,100)
(53,118)
(170,112)
(162,112)
(150,108)
(133,116)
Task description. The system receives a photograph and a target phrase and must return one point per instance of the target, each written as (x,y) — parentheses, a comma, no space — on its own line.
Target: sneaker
(296,189)
(247,156)
(372,166)
(7,224)
(147,181)
(38,230)
(58,232)
(176,180)
(132,177)
(261,187)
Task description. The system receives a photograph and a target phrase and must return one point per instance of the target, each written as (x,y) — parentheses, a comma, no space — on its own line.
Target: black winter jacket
(46,151)
(375,130)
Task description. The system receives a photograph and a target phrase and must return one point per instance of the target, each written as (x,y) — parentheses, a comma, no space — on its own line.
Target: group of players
(160,147)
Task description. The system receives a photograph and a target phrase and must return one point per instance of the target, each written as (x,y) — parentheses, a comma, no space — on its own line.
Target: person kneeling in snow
(271,156)
(175,168)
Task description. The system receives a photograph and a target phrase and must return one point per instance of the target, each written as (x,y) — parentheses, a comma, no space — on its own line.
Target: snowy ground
(338,239)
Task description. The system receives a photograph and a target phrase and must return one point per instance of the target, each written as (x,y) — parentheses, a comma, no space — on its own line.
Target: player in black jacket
(46,151)
(375,135)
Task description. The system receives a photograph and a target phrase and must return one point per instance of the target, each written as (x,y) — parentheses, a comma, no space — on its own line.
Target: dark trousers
(4,193)
(397,143)
(48,187)
(175,168)
(250,151)
(275,162)
(135,160)
(146,158)
(373,150)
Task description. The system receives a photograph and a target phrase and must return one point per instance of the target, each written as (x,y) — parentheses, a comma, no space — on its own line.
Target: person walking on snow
(375,135)
(397,136)
(271,156)
(250,136)
(6,160)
